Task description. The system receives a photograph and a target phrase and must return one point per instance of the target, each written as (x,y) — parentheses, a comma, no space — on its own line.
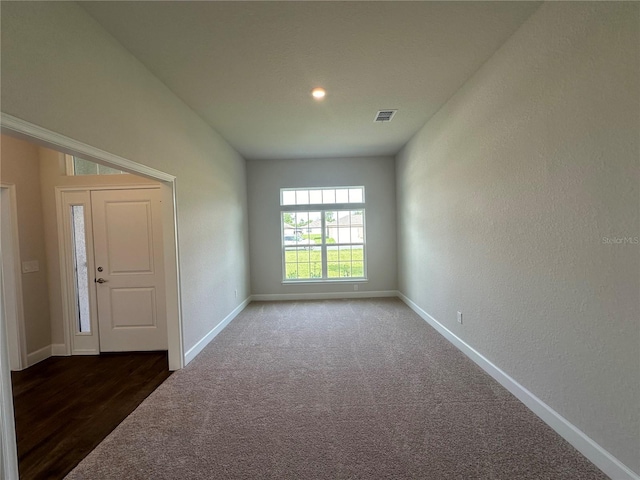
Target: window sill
(346,281)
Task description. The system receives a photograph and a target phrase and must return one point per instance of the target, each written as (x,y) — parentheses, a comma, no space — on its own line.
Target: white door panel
(133,307)
(127,235)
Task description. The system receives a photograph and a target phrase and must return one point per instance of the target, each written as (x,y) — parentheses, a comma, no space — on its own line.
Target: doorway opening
(28,351)
(41,137)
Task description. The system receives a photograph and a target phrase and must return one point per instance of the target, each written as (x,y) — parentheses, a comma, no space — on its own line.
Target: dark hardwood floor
(65,406)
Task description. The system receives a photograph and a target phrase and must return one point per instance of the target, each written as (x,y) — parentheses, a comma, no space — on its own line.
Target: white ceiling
(247,68)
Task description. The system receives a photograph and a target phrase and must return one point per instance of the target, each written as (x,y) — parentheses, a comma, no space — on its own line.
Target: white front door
(129,269)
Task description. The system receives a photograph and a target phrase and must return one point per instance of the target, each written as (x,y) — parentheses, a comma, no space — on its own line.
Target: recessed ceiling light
(318,93)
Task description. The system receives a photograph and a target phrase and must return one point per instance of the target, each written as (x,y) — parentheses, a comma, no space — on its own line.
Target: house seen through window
(323,233)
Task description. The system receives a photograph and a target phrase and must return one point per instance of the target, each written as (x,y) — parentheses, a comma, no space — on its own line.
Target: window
(80,166)
(321,196)
(323,234)
(78,236)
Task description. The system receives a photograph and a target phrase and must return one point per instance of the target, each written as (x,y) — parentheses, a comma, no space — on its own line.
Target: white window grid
(325,247)
(311,196)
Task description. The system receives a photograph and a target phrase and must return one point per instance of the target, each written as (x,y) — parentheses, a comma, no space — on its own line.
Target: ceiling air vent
(384,115)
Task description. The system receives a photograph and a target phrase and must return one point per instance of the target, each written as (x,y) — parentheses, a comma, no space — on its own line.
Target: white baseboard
(204,341)
(59,350)
(38,355)
(321,296)
(609,464)
(87,352)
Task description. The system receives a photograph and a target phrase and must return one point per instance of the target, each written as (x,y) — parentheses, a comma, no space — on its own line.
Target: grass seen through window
(343,261)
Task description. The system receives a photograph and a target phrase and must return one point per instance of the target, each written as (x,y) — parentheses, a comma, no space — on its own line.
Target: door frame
(47,138)
(12,278)
(90,343)
(8,448)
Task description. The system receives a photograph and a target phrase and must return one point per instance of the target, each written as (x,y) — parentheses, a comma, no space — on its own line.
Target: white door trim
(16,339)
(56,141)
(8,449)
(20,128)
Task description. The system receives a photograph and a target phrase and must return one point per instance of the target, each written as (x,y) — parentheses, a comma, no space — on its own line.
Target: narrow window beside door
(80,268)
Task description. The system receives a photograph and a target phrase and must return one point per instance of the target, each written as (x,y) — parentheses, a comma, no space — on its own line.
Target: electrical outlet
(460,318)
(355,288)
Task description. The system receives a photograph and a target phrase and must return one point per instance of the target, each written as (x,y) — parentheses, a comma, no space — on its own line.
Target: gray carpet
(332,390)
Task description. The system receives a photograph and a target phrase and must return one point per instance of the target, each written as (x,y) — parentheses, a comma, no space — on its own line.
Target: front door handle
(100,280)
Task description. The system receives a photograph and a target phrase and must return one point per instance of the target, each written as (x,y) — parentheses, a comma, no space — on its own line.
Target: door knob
(101,280)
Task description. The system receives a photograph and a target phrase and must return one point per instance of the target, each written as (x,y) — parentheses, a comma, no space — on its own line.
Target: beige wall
(20,166)
(63,72)
(52,174)
(506,199)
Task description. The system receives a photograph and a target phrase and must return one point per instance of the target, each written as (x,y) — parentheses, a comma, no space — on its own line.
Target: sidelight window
(80,268)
